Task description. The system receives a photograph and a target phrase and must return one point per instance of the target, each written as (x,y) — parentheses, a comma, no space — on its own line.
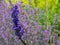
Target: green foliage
(11,39)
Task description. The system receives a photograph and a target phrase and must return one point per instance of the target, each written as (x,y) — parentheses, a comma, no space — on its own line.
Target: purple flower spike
(17,26)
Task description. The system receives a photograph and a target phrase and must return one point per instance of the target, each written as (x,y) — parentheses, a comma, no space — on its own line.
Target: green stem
(23,42)
(47,16)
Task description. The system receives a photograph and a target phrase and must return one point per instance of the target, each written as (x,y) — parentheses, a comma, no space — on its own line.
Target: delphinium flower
(17,26)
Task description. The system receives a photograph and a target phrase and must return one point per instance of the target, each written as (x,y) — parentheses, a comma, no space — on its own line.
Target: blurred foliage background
(53,6)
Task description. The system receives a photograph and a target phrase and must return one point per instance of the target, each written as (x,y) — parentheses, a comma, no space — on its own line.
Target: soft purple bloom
(31,11)
(58,42)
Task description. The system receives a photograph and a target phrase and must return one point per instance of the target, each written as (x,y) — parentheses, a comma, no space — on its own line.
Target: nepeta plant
(23,25)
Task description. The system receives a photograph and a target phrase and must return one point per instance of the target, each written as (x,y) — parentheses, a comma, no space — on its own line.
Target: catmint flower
(31,11)
(55,37)
(46,35)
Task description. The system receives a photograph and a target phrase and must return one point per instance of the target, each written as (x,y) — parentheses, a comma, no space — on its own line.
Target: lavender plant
(30,22)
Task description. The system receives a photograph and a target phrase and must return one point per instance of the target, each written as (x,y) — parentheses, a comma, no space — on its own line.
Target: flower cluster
(17,26)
